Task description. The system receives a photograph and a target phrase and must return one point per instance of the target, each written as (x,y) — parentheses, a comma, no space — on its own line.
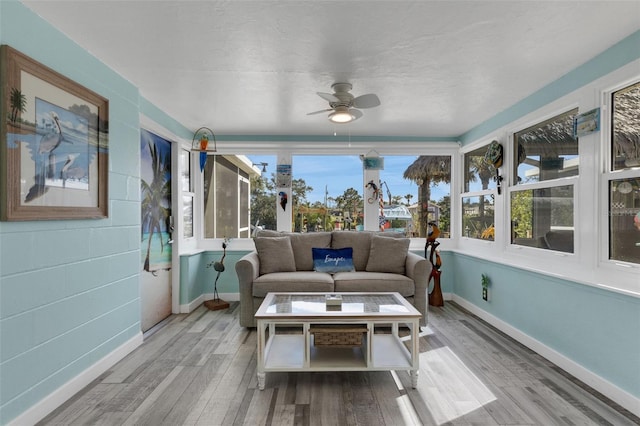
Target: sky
(339,172)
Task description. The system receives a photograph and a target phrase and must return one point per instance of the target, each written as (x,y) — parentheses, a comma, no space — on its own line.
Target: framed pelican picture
(54,148)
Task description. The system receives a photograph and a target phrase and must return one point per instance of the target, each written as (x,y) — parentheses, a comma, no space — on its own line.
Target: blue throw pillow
(333,260)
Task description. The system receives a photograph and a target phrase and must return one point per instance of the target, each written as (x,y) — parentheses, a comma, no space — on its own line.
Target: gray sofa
(283,262)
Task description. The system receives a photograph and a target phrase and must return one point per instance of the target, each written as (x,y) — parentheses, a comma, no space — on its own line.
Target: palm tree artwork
(156,198)
(18,103)
(426,171)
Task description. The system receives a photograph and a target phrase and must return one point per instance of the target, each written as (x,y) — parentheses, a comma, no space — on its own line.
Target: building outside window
(541,201)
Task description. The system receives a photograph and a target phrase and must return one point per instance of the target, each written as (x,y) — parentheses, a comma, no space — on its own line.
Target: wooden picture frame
(53,144)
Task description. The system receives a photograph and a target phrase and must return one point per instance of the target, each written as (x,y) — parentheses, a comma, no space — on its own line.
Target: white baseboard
(598,383)
(75,385)
(191,306)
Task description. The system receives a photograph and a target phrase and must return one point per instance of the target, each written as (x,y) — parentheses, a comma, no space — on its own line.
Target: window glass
(543,218)
(479,173)
(244,203)
(187,193)
(226,193)
(185,170)
(187,215)
(626,128)
(624,220)
(546,150)
(328,193)
(478,217)
(222,214)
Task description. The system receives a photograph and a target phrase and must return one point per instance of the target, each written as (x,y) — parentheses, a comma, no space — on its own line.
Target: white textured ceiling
(253,67)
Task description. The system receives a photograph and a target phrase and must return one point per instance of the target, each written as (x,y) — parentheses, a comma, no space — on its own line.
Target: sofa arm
(247,269)
(418,269)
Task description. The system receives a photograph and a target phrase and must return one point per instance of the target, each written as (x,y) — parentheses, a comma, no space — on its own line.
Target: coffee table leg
(414,378)
(260,366)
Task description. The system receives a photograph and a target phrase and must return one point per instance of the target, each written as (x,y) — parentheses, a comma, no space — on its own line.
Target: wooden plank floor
(200,369)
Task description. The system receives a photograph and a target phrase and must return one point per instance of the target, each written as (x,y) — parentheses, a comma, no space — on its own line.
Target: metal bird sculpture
(217,303)
(283,200)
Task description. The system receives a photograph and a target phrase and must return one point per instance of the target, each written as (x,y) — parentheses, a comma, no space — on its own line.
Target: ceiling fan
(343,104)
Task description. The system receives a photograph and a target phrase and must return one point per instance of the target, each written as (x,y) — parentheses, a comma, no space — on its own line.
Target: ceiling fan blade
(356,113)
(366,101)
(320,112)
(328,97)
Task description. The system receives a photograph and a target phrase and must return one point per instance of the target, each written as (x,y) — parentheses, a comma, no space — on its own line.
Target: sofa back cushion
(275,254)
(388,255)
(359,241)
(302,243)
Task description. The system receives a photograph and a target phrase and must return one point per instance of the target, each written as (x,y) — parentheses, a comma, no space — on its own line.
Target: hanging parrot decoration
(204,141)
(283,200)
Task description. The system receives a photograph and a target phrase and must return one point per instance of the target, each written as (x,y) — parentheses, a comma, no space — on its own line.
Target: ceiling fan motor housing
(341,91)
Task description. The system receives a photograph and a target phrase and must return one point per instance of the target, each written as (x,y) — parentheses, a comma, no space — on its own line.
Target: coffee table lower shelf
(288,352)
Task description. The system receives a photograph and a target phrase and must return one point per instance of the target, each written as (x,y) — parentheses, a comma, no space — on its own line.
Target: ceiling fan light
(341,115)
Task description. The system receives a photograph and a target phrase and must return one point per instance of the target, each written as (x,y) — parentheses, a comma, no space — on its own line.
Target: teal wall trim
(618,55)
(593,327)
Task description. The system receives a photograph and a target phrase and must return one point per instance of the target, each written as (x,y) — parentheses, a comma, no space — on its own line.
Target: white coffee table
(307,311)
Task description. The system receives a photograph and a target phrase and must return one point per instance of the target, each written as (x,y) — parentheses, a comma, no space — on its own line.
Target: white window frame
(489,192)
(607,175)
(243,148)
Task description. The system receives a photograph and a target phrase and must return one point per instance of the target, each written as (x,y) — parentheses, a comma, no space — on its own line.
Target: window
(541,205)
(477,217)
(478,198)
(187,193)
(625,129)
(226,181)
(479,173)
(328,193)
(546,150)
(543,218)
(624,177)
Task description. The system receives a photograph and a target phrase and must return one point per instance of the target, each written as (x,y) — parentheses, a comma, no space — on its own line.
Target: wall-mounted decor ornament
(283,200)
(494,157)
(204,141)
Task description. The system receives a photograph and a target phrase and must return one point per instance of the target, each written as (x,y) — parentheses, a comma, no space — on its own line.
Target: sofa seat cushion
(367,282)
(278,282)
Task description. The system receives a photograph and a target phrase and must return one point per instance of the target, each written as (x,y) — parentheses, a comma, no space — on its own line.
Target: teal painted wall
(69,291)
(196,279)
(595,328)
